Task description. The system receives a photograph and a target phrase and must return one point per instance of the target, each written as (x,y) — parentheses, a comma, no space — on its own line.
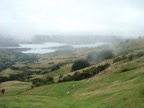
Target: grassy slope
(110,89)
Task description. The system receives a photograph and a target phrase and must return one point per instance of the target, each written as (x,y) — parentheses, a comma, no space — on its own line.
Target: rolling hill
(121,85)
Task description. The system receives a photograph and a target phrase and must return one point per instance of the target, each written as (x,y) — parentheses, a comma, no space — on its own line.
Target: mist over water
(52,47)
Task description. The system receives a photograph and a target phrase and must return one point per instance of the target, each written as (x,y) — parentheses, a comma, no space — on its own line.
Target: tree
(79,64)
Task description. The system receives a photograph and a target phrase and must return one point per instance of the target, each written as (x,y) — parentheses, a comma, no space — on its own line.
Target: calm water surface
(50,47)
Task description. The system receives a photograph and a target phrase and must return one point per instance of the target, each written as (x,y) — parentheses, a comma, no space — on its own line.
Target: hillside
(121,85)
(7,41)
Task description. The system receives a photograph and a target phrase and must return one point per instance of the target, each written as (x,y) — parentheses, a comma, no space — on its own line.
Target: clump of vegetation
(49,80)
(130,57)
(140,54)
(125,70)
(55,67)
(8,57)
(3,91)
(79,64)
(85,74)
(118,59)
(39,81)
(96,57)
(4,78)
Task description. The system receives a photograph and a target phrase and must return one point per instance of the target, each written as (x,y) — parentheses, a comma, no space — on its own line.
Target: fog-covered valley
(71,54)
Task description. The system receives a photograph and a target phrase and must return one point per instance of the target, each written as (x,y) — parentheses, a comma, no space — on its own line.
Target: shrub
(3,91)
(49,79)
(140,54)
(124,70)
(85,74)
(118,59)
(14,68)
(4,78)
(79,64)
(67,78)
(38,82)
(55,67)
(130,57)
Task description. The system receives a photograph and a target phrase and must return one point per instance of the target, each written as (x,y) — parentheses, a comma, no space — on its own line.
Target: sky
(25,18)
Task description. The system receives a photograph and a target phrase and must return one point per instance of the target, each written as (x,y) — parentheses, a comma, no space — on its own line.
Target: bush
(55,67)
(38,82)
(3,91)
(125,69)
(79,64)
(96,57)
(85,74)
(140,54)
(14,68)
(49,80)
(130,57)
(4,78)
(120,58)
(67,78)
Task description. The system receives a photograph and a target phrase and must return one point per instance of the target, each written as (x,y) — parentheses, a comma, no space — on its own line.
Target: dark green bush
(79,64)
(55,67)
(49,79)
(85,74)
(4,78)
(3,91)
(124,70)
(140,54)
(38,82)
(67,78)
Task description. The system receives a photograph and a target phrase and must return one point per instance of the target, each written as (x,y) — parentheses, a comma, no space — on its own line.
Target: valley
(120,85)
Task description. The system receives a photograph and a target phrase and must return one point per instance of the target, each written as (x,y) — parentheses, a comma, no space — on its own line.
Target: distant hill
(76,39)
(7,41)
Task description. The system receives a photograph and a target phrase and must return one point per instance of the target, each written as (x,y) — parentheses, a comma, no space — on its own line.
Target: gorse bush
(3,91)
(55,67)
(85,74)
(79,64)
(49,79)
(39,82)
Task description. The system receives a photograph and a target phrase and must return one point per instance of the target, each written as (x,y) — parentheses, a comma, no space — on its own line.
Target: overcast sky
(100,17)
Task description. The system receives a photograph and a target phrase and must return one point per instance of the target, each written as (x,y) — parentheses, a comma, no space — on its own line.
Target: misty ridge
(71,40)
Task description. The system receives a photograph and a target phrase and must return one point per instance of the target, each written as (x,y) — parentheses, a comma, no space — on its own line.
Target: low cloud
(25,18)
